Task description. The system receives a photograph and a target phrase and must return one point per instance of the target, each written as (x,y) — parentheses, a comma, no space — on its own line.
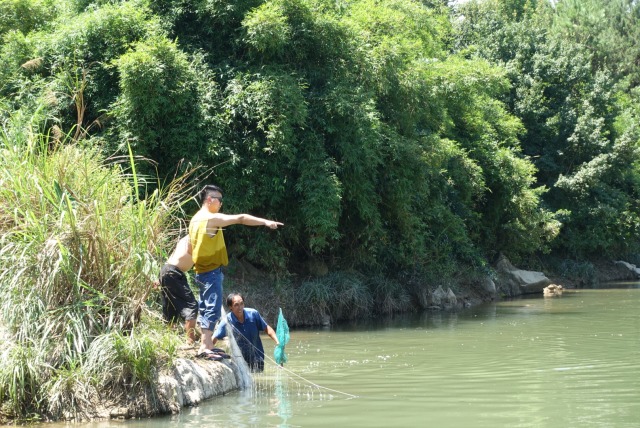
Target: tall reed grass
(79,240)
(339,295)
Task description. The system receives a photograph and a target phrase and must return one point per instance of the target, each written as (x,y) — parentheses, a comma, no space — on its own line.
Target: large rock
(451,300)
(489,286)
(515,282)
(631,268)
(441,299)
(193,381)
(438,297)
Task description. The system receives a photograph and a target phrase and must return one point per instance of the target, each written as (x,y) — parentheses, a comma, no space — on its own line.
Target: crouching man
(246,323)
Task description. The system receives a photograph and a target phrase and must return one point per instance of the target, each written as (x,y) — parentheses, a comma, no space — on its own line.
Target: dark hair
(230,298)
(208,190)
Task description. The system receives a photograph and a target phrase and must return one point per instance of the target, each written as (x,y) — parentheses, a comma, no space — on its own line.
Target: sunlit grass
(79,240)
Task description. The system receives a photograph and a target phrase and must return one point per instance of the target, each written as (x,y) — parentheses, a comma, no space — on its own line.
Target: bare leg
(207,340)
(190,327)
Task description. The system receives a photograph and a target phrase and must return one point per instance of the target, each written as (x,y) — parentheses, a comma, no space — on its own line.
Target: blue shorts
(210,307)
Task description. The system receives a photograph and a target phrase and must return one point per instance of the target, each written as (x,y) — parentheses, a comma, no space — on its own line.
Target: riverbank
(453,293)
(194,380)
(187,382)
(184,380)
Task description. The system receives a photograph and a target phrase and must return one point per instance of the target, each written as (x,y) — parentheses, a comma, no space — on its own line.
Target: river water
(568,361)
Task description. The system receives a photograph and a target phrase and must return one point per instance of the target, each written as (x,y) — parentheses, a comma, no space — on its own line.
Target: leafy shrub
(88,43)
(158,109)
(268,31)
(580,271)
(17,60)
(26,15)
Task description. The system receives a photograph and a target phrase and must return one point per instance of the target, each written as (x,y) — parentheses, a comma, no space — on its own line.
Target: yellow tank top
(208,252)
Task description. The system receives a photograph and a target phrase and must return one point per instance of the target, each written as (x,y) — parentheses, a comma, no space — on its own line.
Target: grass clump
(338,295)
(78,249)
(22,370)
(390,296)
(349,295)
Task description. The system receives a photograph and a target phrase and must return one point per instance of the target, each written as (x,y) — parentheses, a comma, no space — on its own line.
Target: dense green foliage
(572,92)
(351,123)
(402,142)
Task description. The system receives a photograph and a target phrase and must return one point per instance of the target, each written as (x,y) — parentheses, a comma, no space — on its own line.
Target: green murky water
(569,361)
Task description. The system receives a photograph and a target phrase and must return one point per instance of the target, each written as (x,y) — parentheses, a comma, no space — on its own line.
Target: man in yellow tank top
(210,254)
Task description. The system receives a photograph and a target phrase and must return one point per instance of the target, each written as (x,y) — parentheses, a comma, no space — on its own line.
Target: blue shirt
(247,334)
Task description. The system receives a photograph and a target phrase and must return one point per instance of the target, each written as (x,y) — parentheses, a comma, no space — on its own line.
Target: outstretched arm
(249,220)
(222,220)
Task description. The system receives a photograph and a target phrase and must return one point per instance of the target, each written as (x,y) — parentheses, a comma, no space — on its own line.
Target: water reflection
(425,319)
(620,284)
(281,401)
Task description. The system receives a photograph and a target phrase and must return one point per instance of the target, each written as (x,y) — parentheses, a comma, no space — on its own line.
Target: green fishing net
(282,333)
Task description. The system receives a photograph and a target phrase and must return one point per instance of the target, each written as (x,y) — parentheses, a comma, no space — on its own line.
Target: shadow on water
(619,284)
(447,319)
(429,319)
